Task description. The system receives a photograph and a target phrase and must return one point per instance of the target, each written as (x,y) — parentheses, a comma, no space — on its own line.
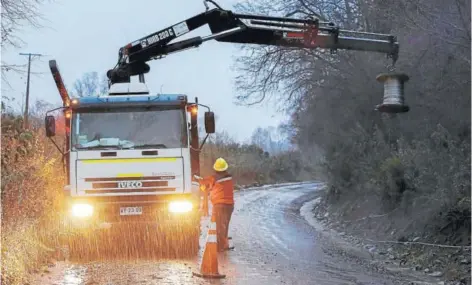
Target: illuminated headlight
(82,210)
(180,206)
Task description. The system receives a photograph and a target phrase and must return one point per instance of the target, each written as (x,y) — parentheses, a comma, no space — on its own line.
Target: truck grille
(129,184)
(129,190)
(120,184)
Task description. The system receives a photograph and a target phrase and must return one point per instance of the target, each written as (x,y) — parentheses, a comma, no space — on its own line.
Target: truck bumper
(150,211)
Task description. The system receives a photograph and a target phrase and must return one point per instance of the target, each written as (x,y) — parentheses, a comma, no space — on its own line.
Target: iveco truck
(131,156)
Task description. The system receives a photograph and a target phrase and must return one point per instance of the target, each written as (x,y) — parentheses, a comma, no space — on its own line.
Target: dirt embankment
(443,255)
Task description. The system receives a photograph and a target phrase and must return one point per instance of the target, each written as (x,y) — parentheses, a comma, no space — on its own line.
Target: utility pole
(27,86)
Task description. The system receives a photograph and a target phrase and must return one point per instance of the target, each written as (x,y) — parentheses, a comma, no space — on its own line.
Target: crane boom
(227,26)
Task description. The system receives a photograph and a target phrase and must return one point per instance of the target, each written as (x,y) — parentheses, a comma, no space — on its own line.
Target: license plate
(128,211)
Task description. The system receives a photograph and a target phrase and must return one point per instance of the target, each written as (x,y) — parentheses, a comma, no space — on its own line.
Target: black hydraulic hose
(189,43)
(214,3)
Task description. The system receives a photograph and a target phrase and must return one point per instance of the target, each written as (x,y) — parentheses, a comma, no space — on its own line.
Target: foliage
(250,164)
(32,176)
(419,161)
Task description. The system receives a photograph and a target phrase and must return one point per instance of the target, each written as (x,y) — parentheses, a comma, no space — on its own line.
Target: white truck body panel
(129,173)
(130,153)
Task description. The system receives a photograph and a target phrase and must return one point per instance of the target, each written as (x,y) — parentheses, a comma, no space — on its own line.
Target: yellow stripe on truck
(130,160)
(130,175)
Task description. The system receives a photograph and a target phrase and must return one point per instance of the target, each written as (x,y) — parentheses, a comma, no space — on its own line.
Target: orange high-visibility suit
(222,198)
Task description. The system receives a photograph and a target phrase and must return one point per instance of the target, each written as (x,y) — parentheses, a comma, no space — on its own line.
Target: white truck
(131,157)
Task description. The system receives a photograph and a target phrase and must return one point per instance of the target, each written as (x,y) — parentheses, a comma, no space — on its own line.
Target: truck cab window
(129,128)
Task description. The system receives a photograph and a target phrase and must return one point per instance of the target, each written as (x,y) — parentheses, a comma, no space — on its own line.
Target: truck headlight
(180,206)
(82,210)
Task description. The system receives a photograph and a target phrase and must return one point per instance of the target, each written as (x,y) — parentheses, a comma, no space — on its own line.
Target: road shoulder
(355,249)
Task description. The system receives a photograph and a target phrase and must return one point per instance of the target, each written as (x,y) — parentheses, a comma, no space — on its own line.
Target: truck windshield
(126,128)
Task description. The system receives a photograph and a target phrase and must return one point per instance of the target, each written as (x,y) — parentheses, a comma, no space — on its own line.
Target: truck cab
(131,157)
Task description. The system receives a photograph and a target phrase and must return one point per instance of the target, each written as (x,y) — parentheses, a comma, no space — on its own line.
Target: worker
(221,189)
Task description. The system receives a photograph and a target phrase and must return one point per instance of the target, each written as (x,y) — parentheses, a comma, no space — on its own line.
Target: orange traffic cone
(209,264)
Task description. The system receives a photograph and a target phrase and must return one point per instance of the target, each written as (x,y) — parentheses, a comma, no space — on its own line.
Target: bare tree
(103,85)
(15,15)
(269,139)
(90,85)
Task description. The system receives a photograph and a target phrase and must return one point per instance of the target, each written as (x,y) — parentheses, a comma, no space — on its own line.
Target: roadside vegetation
(31,189)
(251,164)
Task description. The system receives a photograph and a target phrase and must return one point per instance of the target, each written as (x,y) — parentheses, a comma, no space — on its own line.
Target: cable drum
(394,88)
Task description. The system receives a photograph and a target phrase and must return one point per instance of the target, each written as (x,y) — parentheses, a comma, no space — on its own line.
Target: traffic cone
(209,264)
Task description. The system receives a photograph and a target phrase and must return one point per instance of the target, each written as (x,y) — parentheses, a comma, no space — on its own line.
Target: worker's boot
(226,245)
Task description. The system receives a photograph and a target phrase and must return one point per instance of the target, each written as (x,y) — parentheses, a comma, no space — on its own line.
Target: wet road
(273,245)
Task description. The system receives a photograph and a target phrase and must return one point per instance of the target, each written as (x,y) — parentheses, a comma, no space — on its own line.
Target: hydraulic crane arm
(230,27)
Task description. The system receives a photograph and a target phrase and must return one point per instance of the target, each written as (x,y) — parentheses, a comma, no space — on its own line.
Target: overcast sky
(85,36)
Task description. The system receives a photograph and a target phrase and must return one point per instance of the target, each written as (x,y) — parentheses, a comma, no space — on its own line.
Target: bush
(428,179)
(391,182)
(31,189)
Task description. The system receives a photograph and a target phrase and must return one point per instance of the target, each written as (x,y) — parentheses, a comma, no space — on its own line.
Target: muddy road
(273,243)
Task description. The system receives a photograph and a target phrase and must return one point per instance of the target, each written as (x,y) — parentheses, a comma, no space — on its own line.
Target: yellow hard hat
(220,165)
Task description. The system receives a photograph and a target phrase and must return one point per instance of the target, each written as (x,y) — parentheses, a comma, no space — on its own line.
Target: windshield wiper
(99,147)
(150,146)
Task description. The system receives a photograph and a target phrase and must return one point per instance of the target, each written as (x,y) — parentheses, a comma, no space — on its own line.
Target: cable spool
(393,98)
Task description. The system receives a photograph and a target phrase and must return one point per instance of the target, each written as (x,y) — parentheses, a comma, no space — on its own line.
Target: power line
(30,55)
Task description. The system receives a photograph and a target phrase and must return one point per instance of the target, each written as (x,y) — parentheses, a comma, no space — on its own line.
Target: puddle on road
(74,275)
(125,273)
(62,274)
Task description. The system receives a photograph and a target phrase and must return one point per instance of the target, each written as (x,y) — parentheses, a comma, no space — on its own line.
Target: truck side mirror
(209,122)
(50,125)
